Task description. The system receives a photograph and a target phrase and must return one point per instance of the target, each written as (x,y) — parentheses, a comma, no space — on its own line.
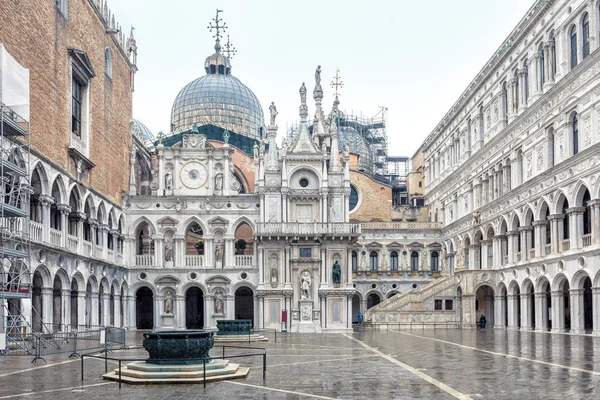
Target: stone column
(596,310)
(526,310)
(81,296)
(497,249)
(539,228)
(484,254)
(512,246)
(558,305)
(47,202)
(95,320)
(595,205)
(261,305)
(577,323)
(46,312)
(64,210)
(534,66)
(541,307)
(513,315)
(117,310)
(575,215)
(555,246)
(261,267)
(65,299)
(499,312)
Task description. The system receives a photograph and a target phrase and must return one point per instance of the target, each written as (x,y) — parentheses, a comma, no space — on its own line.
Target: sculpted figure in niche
(169,181)
(219,304)
(336,272)
(219,181)
(219,251)
(169,303)
(168,250)
(274,270)
(305,282)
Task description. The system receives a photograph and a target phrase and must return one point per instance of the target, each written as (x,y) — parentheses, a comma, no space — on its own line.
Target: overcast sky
(413,57)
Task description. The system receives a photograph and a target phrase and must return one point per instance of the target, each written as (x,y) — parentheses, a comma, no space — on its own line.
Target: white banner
(14,84)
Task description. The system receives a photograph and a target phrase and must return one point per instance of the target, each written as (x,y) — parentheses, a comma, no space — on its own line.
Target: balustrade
(144,260)
(36,230)
(72,242)
(587,240)
(316,228)
(547,249)
(566,244)
(244,260)
(55,237)
(194,261)
(87,248)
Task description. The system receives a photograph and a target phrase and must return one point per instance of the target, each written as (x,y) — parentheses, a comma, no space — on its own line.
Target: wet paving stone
(478,364)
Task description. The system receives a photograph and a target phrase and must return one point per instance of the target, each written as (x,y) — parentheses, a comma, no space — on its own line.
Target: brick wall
(39,38)
(376,199)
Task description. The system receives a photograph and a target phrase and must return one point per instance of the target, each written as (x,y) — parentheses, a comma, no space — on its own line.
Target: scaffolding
(15,274)
(367,137)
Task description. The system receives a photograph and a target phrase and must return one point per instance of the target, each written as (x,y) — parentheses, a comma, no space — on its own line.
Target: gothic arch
(61,273)
(75,194)
(578,193)
(138,285)
(540,282)
(240,284)
(89,202)
(513,287)
(125,288)
(112,216)
(62,191)
(578,278)
(93,284)
(526,285)
(559,198)
(540,212)
(239,221)
(101,214)
(500,289)
(45,274)
(78,277)
(133,228)
(183,227)
(41,171)
(104,284)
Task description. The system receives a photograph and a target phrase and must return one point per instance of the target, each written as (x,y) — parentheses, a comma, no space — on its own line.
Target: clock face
(193,175)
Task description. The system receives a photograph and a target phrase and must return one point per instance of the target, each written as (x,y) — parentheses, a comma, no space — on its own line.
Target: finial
(318,76)
(131,33)
(273,111)
(303,94)
(230,50)
(219,29)
(337,84)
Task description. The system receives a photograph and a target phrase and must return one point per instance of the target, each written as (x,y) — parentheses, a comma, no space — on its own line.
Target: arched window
(575,134)
(585,36)
(520,174)
(108,63)
(504,100)
(353,198)
(551,147)
(525,82)
(354,261)
(573,41)
(552,56)
(435,261)
(373,260)
(565,207)
(414,261)
(394,260)
(587,221)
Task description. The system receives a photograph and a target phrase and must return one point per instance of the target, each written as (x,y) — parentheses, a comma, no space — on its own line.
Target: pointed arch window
(575,134)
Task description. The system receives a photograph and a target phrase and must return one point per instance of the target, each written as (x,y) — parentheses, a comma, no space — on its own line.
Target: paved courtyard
(482,364)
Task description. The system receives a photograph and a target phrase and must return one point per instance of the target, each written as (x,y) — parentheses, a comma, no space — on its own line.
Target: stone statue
(219,304)
(169,181)
(346,150)
(363,261)
(255,151)
(219,251)
(273,111)
(444,259)
(274,274)
(168,250)
(305,282)
(226,136)
(336,272)
(303,94)
(169,303)
(476,217)
(306,313)
(219,181)
(318,76)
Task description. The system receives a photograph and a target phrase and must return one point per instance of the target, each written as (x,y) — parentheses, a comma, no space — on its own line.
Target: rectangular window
(354,261)
(449,305)
(476,305)
(274,311)
(76,106)
(306,252)
(304,213)
(438,305)
(62,6)
(336,311)
(586,39)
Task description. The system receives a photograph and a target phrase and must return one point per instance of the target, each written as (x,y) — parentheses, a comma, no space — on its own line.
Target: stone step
(240,338)
(199,373)
(149,367)
(240,372)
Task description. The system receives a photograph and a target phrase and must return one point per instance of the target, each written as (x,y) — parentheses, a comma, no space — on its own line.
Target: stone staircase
(415,308)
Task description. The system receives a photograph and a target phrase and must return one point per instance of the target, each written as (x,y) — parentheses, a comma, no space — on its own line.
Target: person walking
(360,318)
(482,321)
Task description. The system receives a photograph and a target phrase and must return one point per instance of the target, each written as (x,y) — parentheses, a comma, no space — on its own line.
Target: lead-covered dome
(219,99)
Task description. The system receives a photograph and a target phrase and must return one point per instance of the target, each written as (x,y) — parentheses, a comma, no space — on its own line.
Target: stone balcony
(294,229)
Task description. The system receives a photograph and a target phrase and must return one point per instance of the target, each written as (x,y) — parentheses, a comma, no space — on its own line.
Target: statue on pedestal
(219,252)
(273,111)
(336,272)
(305,282)
(168,250)
(169,303)
(219,304)
(169,181)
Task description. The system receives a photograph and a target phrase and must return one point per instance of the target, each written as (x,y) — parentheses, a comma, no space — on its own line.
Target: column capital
(63,208)
(46,200)
(575,210)
(576,291)
(541,222)
(556,217)
(525,228)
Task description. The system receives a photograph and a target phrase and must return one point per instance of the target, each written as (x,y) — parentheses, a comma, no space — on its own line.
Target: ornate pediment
(167,222)
(218,221)
(167,280)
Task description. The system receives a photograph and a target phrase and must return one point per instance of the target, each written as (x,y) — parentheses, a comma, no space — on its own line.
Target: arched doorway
(373,300)
(588,323)
(56,305)
(484,304)
(111,306)
(545,308)
(244,303)
(194,308)
(144,306)
(566,309)
(355,307)
(74,305)
(101,305)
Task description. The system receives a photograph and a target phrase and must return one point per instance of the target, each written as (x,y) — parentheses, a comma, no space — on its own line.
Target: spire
(334,164)
(318,127)
(272,164)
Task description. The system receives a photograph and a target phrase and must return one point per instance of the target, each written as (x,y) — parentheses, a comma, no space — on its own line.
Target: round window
(143,276)
(193,275)
(414,285)
(304,182)
(374,286)
(244,275)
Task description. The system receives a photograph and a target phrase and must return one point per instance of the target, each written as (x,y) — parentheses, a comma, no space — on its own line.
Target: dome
(219,99)
(143,134)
